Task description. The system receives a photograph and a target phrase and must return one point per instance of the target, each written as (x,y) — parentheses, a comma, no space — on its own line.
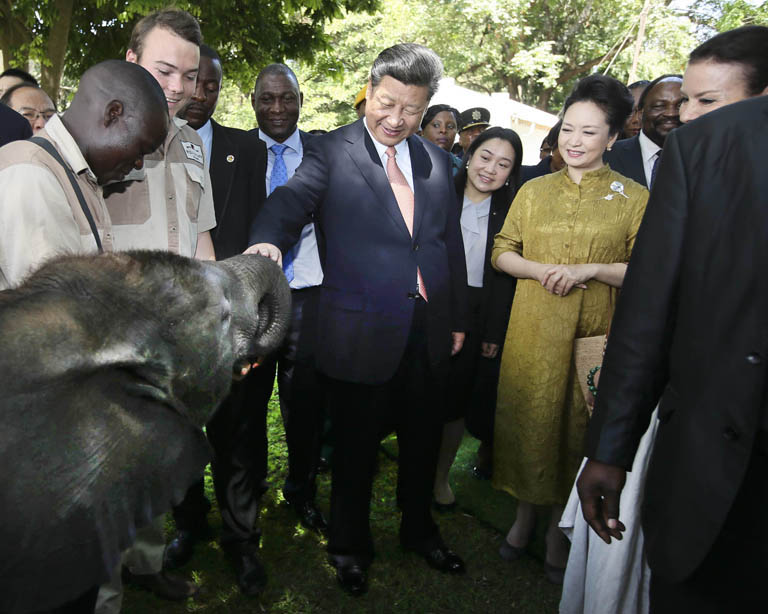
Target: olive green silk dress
(541,415)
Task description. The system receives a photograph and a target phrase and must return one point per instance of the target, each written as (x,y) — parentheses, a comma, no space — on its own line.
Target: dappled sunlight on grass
(302,582)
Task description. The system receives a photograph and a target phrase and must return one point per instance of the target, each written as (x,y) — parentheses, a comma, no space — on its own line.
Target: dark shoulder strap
(45,144)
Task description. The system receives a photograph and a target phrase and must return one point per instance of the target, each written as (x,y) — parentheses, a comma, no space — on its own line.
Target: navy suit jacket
(238,167)
(690,329)
(13,127)
(626,158)
(369,257)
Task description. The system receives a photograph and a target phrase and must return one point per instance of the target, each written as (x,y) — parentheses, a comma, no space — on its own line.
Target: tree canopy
(68,36)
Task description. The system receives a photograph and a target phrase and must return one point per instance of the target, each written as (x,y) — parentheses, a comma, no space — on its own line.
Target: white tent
(530,123)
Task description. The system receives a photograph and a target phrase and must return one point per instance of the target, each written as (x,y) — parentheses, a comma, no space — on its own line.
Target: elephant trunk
(265,321)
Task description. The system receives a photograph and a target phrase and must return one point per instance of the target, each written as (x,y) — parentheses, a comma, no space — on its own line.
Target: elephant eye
(226,314)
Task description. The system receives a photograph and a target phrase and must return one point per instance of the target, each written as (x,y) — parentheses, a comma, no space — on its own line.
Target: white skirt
(602,578)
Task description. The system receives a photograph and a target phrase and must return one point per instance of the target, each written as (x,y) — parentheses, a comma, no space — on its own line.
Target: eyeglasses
(31,114)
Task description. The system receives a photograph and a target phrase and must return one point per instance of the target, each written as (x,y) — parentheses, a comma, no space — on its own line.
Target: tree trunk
(56,48)
(13,35)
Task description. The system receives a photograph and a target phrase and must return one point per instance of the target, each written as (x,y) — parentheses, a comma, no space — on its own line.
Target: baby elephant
(109,367)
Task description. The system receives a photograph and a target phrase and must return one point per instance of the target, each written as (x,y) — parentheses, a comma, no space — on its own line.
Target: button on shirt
(307,271)
(474,231)
(650,151)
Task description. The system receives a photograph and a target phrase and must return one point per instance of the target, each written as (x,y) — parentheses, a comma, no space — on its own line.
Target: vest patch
(194,152)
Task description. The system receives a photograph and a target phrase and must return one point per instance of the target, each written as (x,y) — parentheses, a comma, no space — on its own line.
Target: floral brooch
(618,188)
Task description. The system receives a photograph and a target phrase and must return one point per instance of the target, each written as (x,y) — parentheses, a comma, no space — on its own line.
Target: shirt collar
(292,142)
(67,146)
(648,148)
(206,130)
(401,149)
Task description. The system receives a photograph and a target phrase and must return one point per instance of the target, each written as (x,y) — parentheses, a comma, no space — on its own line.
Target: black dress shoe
(179,551)
(444,560)
(165,585)
(353,579)
(310,516)
(250,573)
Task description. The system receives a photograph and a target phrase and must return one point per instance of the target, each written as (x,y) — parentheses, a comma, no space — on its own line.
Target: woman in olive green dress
(567,239)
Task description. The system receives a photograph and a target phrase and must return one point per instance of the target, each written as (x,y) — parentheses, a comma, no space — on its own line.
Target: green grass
(301,581)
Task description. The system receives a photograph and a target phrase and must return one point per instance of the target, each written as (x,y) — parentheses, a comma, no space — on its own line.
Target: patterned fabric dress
(541,415)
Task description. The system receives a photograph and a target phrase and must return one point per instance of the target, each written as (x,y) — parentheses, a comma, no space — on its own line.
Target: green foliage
(247,34)
(720,15)
(534,50)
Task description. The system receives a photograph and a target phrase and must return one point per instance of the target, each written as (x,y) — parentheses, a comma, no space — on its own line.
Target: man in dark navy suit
(660,107)
(236,160)
(277,101)
(691,329)
(391,302)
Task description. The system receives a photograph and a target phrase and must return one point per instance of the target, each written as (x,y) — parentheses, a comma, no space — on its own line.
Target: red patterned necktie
(404,198)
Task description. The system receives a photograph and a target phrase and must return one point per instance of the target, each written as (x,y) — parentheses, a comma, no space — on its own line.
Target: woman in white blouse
(486,185)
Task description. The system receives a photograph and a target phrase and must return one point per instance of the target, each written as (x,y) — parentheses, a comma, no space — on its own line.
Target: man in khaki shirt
(166,205)
(116,117)
(169,201)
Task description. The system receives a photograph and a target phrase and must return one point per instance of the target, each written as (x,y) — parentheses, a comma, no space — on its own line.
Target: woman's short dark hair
(610,95)
(496,132)
(409,63)
(554,134)
(179,22)
(747,46)
(434,110)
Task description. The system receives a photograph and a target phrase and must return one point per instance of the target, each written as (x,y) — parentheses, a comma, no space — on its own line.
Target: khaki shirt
(40,215)
(168,202)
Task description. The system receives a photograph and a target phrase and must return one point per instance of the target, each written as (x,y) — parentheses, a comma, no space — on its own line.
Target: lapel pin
(230,158)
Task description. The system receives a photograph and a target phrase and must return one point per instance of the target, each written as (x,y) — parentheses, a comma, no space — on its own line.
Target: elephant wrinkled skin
(109,367)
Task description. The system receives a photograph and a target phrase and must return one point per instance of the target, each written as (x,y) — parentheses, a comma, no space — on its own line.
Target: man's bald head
(118,115)
(129,83)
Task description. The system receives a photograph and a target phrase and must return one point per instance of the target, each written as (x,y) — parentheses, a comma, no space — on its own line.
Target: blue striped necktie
(279,177)
(655,168)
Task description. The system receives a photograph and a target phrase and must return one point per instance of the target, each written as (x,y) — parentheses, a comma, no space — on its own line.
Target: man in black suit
(277,100)
(13,127)
(691,329)
(391,300)
(238,431)
(660,107)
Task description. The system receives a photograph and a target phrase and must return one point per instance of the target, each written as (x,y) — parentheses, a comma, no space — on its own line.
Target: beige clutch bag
(587,353)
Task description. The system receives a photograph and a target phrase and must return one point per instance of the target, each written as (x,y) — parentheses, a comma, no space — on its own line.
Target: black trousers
(359,414)
(732,577)
(302,396)
(238,436)
(84,604)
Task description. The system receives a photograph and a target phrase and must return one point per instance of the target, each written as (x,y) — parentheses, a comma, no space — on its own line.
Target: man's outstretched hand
(599,487)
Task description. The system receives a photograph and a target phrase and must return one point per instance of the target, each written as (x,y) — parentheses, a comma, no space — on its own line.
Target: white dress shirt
(205,132)
(474,231)
(307,271)
(402,155)
(649,151)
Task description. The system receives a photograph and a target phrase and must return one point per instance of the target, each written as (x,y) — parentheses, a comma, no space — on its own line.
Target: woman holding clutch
(566,239)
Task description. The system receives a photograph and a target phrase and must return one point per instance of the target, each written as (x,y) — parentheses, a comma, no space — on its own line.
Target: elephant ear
(87,459)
